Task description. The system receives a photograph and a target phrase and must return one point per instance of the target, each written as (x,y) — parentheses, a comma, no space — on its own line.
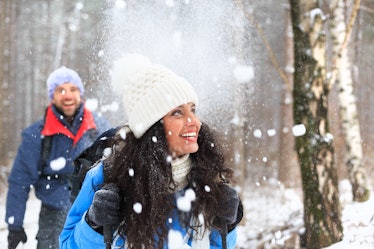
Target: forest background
(237,54)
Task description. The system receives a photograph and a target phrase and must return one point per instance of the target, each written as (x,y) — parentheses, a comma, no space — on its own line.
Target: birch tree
(347,100)
(313,142)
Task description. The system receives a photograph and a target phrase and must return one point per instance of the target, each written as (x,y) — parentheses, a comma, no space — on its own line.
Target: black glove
(105,206)
(14,237)
(228,206)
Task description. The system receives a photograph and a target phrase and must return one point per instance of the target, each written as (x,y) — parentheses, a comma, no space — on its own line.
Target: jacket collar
(53,125)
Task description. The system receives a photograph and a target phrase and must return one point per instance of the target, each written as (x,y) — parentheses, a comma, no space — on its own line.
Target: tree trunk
(289,170)
(3,37)
(7,16)
(322,214)
(347,103)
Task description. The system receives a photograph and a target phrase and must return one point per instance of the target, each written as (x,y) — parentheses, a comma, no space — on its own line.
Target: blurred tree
(362,70)
(322,214)
(7,28)
(289,170)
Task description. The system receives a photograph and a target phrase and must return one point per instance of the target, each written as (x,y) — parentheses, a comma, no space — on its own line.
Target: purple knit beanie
(63,75)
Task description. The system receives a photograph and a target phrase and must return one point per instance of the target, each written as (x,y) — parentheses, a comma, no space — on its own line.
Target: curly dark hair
(142,170)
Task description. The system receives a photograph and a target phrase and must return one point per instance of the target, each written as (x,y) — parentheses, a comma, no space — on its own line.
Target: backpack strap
(46,145)
(222,224)
(88,159)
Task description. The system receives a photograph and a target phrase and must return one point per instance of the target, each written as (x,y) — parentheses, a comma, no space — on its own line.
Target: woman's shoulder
(96,174)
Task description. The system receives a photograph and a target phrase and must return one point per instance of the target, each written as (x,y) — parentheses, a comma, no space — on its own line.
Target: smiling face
(182,129)
(67,98)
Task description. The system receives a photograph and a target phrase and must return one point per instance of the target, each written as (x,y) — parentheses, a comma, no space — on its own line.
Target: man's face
(67,98)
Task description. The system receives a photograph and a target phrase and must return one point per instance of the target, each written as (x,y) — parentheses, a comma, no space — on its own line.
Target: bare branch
(270,51)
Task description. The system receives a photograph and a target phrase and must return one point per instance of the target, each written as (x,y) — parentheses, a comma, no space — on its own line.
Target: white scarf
(181,167)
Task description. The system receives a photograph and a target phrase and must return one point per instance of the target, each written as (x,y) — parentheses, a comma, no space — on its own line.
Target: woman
(164,184)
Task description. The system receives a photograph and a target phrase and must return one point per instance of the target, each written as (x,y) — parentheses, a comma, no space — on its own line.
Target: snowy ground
(30,223)
(272,214)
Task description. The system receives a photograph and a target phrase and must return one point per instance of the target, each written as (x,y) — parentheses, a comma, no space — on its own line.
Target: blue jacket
(77,234)
(67,143)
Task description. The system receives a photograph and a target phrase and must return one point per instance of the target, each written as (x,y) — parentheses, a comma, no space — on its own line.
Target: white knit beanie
(149,91)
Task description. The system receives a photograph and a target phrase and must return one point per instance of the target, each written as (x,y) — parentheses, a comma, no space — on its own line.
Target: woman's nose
(192,119)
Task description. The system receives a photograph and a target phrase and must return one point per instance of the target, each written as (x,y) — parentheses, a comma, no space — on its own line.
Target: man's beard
(68,118)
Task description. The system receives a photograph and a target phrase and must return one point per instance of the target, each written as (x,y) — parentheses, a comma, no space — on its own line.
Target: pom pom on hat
(63,75)
(149,91)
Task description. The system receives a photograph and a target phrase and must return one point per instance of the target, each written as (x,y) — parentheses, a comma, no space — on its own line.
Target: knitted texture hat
(149,91)
(63,75)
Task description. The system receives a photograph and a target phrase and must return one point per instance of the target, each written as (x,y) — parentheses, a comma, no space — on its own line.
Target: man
(45,159)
